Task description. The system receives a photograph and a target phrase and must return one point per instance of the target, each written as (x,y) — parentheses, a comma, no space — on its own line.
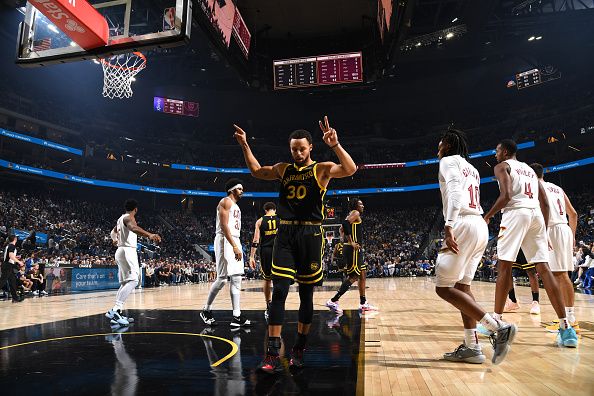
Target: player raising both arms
(297,253)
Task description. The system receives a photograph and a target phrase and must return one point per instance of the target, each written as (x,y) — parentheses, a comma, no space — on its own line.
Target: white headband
(238,185)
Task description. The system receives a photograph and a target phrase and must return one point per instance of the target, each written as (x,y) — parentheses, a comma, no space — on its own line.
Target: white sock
(570,314)
(497,317)
(123,293)
(489,322)
(235,292)
(212,293)
(564,323)
(471,339)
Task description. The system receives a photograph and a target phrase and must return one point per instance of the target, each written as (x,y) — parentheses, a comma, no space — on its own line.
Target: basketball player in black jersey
(353,258)
(297,253)
(338,254)
(264,235)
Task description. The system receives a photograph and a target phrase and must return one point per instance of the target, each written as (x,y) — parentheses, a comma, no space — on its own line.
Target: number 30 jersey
(459,184)
(301,196)
(524,185)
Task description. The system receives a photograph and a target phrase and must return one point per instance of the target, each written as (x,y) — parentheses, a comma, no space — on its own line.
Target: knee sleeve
(306,305)
(276,311)
(235,284)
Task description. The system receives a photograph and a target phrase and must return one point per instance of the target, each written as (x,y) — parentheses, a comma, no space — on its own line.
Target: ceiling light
(539,37)
(531,38)
(449,35)
(454,20)
(418,44)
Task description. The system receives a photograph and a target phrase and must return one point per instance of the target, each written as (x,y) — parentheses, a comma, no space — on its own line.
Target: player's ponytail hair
(457,143)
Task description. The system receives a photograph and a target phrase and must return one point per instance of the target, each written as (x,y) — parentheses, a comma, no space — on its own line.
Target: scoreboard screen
(175,106)
(318,70)
(528,78)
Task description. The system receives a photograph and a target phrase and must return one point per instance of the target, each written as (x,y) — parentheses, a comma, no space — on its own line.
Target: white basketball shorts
(472,235)
(227,265)
(561,257)
(127,260)
(523,228)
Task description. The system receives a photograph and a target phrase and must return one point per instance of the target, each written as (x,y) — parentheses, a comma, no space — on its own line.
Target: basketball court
(65,344)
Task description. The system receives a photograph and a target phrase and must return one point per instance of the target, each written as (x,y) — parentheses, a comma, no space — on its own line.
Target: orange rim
(138,54)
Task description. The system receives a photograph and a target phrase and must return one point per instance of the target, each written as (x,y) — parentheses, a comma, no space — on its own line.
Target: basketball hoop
(119,72)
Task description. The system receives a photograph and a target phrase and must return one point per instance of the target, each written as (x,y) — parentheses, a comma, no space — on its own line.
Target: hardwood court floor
(403,343)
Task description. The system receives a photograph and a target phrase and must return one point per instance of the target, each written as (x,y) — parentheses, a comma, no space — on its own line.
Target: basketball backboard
(134,25)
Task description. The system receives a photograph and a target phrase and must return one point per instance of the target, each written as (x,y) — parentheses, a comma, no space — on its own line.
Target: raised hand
(155,238)
(240,135)
(330,136)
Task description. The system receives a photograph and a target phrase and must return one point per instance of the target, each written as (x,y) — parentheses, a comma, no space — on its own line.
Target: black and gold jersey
(355,230)
(301,196)
(268,230)
(339,252)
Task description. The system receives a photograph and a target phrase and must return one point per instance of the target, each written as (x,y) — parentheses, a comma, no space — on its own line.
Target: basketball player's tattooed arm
(224,208)
(328,170)
(256,240)
(501,171)
(130,222)
(266,172)
(572,215)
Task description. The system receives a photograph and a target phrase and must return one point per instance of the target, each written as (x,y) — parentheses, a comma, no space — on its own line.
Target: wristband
(331,147)
(255,244)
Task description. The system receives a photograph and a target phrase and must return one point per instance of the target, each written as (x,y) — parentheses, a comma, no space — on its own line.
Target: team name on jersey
(468,171)
(272,232)
(303,176)
(524,172)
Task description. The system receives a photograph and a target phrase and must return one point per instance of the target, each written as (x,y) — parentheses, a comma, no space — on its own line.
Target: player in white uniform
(228,254)
(525,214)
(466,237)
(124,235)
(562,238)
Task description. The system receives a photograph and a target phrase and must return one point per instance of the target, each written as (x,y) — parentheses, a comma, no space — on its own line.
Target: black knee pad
(306,305)
(276,310)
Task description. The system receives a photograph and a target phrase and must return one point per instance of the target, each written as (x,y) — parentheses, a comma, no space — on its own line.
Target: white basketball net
(119,72)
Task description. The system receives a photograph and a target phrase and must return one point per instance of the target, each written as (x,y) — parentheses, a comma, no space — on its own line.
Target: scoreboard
(175,106)
(318,70)
(528,78)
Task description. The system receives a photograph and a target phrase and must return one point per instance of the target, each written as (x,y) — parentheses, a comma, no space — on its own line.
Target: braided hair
(457,143)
